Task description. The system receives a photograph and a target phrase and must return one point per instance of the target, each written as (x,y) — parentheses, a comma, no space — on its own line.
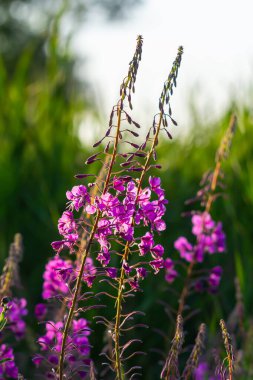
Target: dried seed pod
(171,366)
(197,351)
(91,158)
(229,349)
(98,143)
(10,276)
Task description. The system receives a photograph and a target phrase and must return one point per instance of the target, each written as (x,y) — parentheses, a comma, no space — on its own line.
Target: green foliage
(40,150)
(3,320)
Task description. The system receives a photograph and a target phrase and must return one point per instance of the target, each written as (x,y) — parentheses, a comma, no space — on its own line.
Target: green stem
(118,363)
(85,255)
(191,266)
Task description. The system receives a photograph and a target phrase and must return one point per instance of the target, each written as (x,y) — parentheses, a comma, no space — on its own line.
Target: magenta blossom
(202,223)
(77,348)
(141,272)
(15,313)
(118,184)
(184,248)
(202,373)
(78,196)
(215,278)
(170,272)
(40,311)
(157,264)
(56,277)
(89,273)
(8,368)
(147,242)
(67,224)
(111,272)
(210,238)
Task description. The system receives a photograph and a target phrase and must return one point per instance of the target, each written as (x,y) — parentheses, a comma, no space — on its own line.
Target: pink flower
(215,278)
(157,251)
(170,272)
(56,276)
(141,272)
(7,368)
(202,223)
(78,197)
(184,248)
(118,184)
(147,242)
(157,264)
(40,311)
(15,313)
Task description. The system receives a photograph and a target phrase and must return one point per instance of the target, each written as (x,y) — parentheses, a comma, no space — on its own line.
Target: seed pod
(92,158)
(80,176)
(168,134)
(98,143)
(173,121)
(133,133)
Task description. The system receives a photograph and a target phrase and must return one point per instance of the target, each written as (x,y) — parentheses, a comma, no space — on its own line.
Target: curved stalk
(162,101)
(85,255)
(130,78)
(221,155)
(118,364)
(73,305)
(191,266)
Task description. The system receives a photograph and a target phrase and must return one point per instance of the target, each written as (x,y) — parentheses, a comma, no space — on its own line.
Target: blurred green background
(43,102)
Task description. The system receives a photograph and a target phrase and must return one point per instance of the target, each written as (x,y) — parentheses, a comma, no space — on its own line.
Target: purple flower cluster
(121,208)
(77,347)
(210,238)
(15,313)
(59,273)
(202,373)
(170,272)
(8,368)
(68,228)
(210,282)
(214,279)
(78,197)
(121,212)
(56,277)
(40,311)
(89,272)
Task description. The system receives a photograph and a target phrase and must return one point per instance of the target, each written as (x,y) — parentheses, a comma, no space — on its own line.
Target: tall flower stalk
(126,89)
(162,121)
(207,197)
(209,239)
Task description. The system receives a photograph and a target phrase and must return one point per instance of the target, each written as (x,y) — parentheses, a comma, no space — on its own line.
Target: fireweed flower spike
(59,276)
(78,197)
(8,368)
(149,213)
(210,237)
